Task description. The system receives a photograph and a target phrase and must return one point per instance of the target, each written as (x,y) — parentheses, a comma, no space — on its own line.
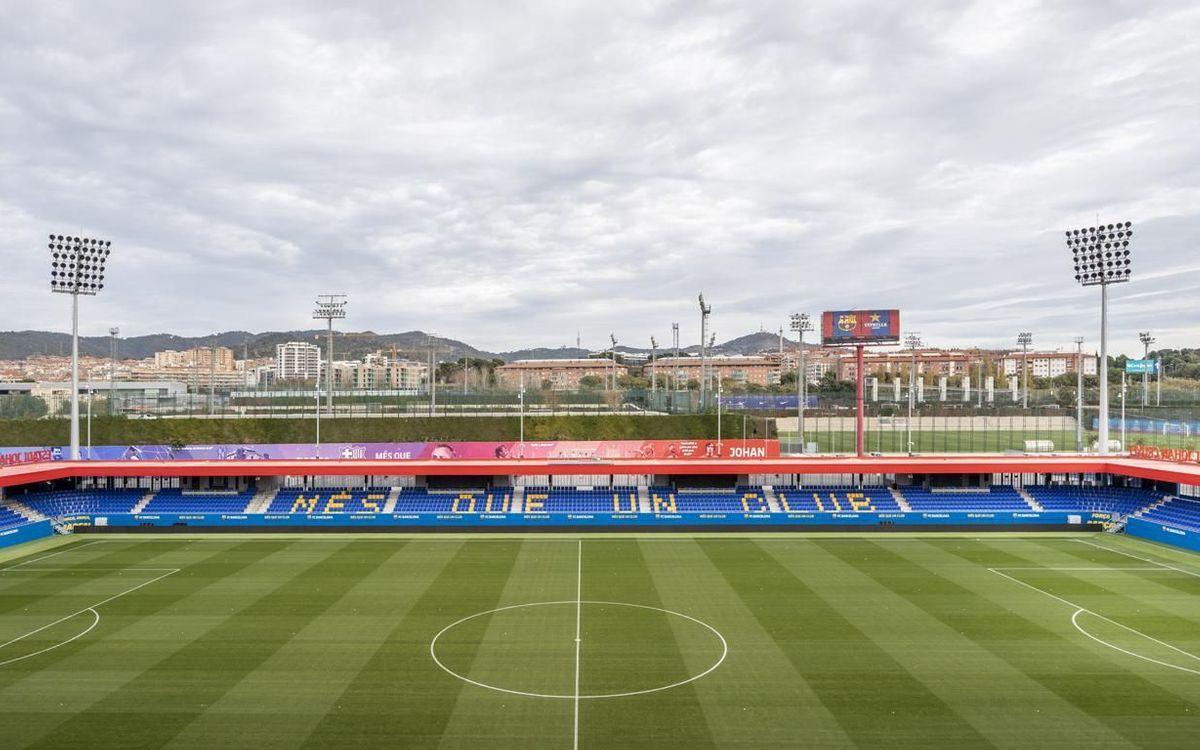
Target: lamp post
(77,267)
(1024,339)
(330,307)
(1101,257)
(613,352)
(800,325)
(112,368)
(675,359)
(1147,339)
(1079,394)
(654,365)
(913,342)
(705,311)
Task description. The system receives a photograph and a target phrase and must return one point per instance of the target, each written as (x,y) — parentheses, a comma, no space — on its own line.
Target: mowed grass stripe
(531,649)
(899,617)
(874,698)
(400,698)
(625,649)
(278,703)
(152,708)
(43,693)
(1034,634)
(756,693)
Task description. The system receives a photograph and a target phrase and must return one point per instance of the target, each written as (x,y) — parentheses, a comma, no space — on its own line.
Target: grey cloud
(509,175)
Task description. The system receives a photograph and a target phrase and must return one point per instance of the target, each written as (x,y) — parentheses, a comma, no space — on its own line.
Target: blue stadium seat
(1180,512)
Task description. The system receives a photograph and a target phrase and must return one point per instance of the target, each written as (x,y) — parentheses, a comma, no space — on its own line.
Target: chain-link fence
(939,421)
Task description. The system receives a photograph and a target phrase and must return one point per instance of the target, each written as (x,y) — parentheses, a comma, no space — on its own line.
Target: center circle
(511,647)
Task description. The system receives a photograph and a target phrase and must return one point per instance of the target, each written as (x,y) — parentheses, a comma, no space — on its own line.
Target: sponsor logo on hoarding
(1174,455)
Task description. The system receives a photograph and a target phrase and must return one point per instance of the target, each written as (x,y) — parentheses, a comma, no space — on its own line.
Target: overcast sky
(510,177)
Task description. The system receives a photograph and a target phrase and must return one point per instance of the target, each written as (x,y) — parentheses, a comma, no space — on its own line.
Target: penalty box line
(22,568)
(1080,609)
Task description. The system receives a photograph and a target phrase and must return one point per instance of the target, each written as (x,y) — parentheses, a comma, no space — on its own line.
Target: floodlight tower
(77,267)
(1101,257)
(705,311)
(330,307)
(913,342)
(1147,339)
(1024,339)
(1079,394)
(800,325)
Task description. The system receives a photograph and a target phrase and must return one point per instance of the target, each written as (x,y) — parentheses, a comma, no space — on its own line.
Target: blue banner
(534,520)
(767,402)
(25,533)
(1141,366)
(1147,426)
(1164,533)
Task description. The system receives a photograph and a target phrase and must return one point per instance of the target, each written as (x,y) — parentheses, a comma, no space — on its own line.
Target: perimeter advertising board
(848,327)
(538,449)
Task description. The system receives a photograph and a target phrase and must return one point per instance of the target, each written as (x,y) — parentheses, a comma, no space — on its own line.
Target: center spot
(624,649)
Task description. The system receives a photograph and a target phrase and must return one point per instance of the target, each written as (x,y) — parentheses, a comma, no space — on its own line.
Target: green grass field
(604,641)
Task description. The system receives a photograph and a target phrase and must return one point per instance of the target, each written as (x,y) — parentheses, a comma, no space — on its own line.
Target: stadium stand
(1183,513)
(70,502)
(178,501)
(325,500)
(1119,500)
(570,500)
(995,498)
(422,500)
(10,518)
(836,499)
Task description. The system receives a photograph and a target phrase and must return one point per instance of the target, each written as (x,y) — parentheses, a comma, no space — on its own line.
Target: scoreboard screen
(860,327)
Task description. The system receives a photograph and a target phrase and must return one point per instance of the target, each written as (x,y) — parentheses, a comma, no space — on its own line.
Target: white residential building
(297,360)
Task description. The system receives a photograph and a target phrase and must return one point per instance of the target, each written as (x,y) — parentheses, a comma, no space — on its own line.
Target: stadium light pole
(705,311)
(675,368)
(330,307)
(1147,339)
(1101,257)
(77,267)
(800,325)
(1079,394)
(112,368)
(654,365)
(913,342)
(613,353)
(1024,339)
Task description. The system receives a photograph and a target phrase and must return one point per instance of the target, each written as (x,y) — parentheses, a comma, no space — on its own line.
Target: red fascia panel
(945,464)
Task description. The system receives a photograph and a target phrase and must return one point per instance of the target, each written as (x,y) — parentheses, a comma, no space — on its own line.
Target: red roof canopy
(932,464)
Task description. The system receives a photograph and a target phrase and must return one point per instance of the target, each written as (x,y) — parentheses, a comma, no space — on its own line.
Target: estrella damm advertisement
(860,327)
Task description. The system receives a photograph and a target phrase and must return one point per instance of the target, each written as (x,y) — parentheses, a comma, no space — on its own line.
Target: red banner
(1174,455)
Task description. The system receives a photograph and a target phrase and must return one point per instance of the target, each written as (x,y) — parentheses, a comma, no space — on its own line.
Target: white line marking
(19,568)
(95,622)
(1138,557)
(578,630)
(1094,570)
(1079,609)
(1132,653)
(701,623)
(170,572)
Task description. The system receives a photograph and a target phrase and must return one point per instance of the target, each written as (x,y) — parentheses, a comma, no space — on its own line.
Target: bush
(120,431)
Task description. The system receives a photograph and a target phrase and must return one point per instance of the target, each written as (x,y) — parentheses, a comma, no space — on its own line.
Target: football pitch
(559,641)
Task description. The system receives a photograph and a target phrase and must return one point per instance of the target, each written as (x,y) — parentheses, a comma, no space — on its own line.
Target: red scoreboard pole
(859,443)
